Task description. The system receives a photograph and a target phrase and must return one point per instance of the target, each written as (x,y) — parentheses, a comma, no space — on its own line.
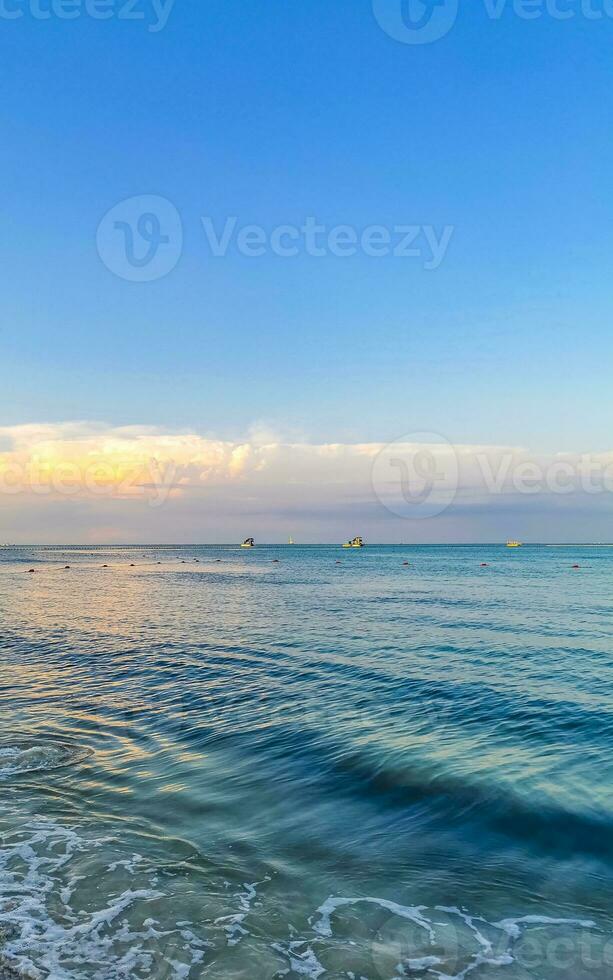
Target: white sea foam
(512,926)
(44,936)
(233,924)
(303,961)
(423,963)
(494,954)
(330,906)
(129,864)
(27,755)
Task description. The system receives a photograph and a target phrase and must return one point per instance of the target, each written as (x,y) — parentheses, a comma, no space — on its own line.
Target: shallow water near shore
(215,764)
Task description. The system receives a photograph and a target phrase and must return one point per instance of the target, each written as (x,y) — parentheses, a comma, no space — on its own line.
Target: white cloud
(152,484)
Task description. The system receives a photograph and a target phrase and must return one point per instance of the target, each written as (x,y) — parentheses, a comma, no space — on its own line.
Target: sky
(456,291)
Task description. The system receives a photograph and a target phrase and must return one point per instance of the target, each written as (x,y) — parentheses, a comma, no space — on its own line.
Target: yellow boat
(354,543)
(513,544)
(248,543)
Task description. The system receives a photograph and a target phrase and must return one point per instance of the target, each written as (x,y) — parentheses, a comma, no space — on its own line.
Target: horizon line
(306,544)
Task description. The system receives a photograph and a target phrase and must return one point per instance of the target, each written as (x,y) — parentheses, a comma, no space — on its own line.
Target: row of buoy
(132,565)
(276,561)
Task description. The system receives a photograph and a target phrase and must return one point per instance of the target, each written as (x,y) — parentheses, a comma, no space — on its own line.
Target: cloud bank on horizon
(95,483)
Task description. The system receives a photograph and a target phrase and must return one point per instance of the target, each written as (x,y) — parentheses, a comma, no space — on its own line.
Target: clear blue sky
(279,110)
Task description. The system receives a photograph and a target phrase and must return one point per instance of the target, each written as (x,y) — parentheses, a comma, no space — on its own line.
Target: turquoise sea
(263,764)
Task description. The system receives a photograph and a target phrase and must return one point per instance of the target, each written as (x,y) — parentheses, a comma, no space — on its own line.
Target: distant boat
(514,544)
(291,540)
(248,543)
(354,543)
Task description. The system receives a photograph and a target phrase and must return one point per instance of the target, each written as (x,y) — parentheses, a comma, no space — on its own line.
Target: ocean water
(215,764)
